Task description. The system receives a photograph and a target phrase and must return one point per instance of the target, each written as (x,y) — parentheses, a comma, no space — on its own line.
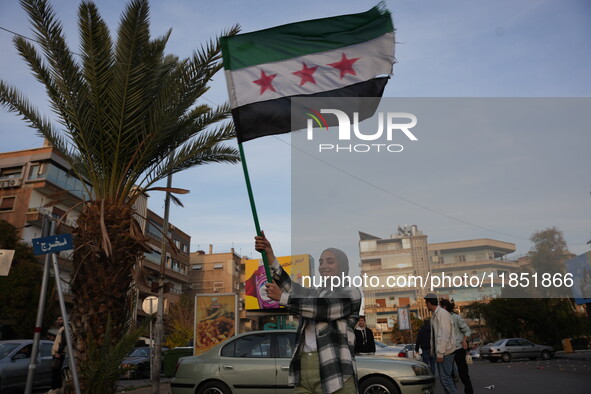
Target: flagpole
(254,209)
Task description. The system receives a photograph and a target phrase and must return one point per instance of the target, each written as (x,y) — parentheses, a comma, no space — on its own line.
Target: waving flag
(343,56)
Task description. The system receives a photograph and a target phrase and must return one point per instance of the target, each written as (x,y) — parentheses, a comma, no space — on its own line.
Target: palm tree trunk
(101,280)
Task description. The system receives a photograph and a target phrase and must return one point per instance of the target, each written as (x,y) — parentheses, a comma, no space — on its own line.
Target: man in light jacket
(443,342)
(462,333)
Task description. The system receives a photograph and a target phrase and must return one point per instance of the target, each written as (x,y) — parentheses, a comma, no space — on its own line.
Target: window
(523,342)
(37,171)
(381,302)
(404,301)
(197,267)
(460,258)
(7,204)
(250,346)
(46,349)
(285,345)
(11,173)
(218,266)
(57,213)
(154,230)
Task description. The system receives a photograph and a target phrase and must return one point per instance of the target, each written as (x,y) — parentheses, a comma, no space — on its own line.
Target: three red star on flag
(345,66)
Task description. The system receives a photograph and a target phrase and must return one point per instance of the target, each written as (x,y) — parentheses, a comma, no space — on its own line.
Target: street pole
(159,326)
(60,293)
(47,227)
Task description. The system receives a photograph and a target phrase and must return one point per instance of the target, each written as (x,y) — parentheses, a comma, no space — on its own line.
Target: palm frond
(67,78)
(103,365)
(14,101)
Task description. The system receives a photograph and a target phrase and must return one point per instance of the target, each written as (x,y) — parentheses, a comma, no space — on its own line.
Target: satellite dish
(150,305)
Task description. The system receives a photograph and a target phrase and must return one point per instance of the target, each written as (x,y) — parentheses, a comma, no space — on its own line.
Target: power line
(388,192)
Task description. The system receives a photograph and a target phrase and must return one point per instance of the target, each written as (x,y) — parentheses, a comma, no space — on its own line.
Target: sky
(496,182)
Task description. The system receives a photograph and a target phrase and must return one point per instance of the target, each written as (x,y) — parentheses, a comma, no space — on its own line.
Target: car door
(15,371)
(528,348)
(285,347)
(43,369)
(515,348)
(246,364)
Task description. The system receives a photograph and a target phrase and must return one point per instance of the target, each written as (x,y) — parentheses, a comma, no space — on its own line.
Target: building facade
(38,183)
(408,254)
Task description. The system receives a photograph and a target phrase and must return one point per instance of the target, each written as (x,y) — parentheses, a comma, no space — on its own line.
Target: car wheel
(377,385)
(546,355)
(506,357)
(214,388)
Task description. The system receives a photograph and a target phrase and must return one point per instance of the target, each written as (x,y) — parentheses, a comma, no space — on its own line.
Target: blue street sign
(52,244)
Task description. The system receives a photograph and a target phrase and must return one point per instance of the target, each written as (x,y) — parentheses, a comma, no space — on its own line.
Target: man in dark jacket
(364,342)
(424,343)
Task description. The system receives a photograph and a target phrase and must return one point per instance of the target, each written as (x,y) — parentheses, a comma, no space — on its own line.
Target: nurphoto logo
(396,125)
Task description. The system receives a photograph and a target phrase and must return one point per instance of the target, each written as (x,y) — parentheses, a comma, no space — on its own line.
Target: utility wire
(388,192)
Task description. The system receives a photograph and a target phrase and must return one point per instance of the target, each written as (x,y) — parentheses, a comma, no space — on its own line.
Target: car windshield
(498,343)
(140,352)
(7,348)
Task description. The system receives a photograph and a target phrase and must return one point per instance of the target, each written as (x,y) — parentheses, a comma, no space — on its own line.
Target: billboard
(255,297)
(216,319)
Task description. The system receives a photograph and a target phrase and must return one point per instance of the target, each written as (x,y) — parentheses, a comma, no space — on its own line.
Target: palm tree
(127,118)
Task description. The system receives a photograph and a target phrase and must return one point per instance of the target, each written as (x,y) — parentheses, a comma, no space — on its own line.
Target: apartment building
(401,255)
(32,178)
(408,253)
(212,273)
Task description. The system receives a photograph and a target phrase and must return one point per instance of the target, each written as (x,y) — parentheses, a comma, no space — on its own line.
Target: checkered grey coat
(336,314)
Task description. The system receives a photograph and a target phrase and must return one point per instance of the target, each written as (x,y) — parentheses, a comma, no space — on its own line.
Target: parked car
(475,353)
(251,361)
(15,357)
(409,348)
(510,348)
(137,363)
(387,350)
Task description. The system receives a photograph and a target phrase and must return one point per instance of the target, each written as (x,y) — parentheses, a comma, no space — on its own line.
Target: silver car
(388,350)
(258,362)
(15,357)
(510,348)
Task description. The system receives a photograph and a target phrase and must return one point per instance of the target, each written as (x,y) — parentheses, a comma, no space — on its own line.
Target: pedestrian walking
(443,342)
(424,344)
(462,333)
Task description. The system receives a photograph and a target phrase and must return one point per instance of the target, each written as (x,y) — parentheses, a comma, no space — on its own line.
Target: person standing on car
(424,343)
(443,342)
(462,333)
(324,356)
(364,341)
(58,353)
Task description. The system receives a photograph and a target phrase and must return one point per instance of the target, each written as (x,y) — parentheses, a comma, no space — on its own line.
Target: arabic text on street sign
(52,244)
